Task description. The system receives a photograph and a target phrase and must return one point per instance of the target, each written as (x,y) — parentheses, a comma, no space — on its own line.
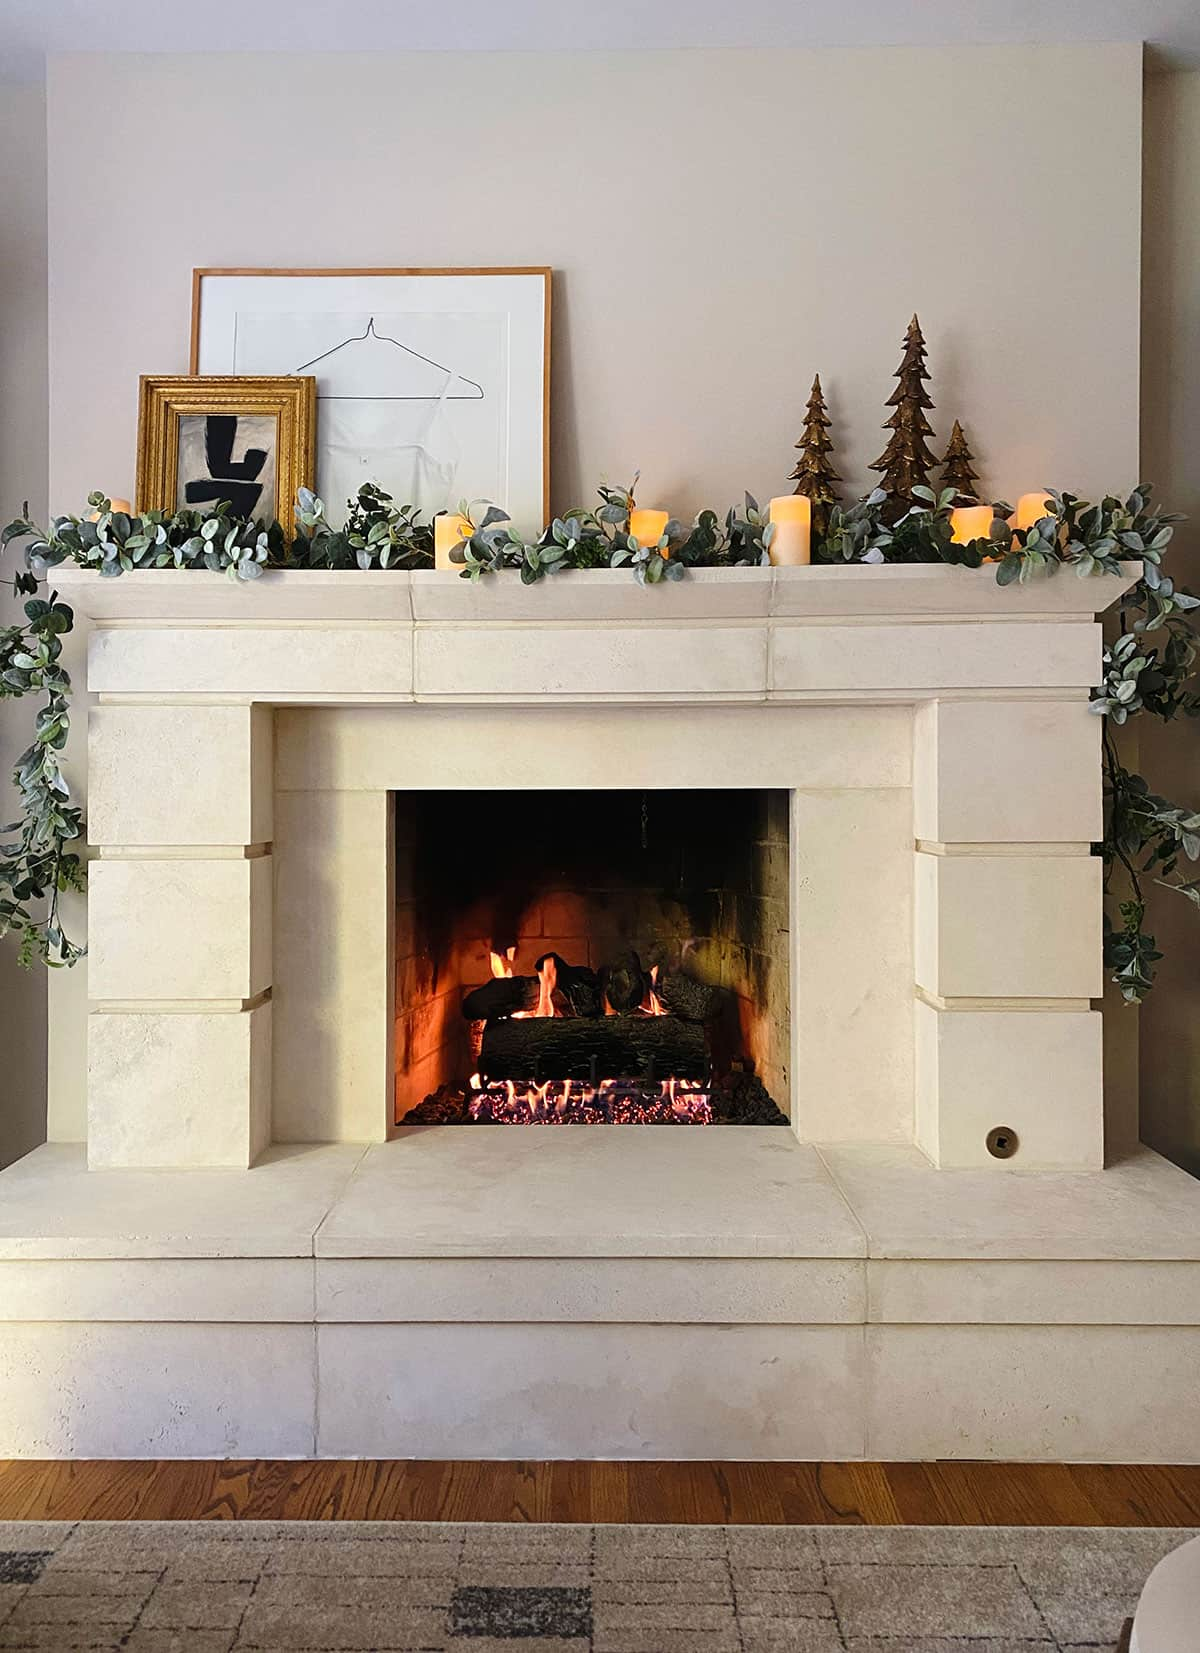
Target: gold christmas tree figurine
(814,475)
(906,461)
(957,471)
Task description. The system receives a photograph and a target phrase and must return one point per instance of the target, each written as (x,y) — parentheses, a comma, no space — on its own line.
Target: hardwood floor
(935,1494)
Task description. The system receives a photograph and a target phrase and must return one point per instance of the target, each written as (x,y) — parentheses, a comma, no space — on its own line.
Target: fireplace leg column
(1006,805)
(179,967)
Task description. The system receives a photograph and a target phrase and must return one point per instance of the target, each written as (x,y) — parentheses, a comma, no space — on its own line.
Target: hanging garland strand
(1149,667)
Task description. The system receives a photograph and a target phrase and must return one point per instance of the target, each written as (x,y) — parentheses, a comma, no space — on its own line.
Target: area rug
(375,1587)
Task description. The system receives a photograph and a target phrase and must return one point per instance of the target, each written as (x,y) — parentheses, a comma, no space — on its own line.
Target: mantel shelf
(899,592)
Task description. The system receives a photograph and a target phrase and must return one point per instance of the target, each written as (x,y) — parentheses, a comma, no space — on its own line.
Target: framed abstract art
(434,384)
(246,440)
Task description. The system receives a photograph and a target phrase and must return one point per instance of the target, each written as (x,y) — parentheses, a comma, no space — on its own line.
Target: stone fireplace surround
(872,1283)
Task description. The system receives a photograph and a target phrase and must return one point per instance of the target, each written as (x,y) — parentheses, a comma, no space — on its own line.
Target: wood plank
(947,1493)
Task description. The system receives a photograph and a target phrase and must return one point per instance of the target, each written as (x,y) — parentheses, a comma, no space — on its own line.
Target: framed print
(432,383)
(246,440)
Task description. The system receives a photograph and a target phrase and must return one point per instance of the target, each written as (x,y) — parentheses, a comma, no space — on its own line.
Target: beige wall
(1170,756)
(721,224)
(22,476)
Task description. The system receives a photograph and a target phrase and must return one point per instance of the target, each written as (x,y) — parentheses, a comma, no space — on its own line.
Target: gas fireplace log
(579,986)
(625,982)
(502,997)
(687,998)
(584,1047)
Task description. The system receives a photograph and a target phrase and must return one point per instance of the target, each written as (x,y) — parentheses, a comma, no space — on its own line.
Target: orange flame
(656,1005)
(502,963)
(547,982)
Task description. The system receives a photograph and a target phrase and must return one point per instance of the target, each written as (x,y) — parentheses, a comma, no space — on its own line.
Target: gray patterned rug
(350,1587)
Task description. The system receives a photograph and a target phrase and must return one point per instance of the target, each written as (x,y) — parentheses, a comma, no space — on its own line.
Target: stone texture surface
(215,788)
(534,662)
(157,1289)
(632,1191)
(905,659)
(726,1290)
(852,1047)
(1037,1072)
(298,1587)
(1143,1208)
(1025,1293)
(332,1078)
(180,928)
(277,663)
(1009,926)
(538,1391)
(100,1390)
(381,748)
(1007,772)
(188,1088)
(53,1207)
(1046,1393)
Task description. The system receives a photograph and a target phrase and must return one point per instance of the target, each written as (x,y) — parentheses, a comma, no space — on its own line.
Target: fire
(578,1102)
(656,1004)
(547,982)
(502,963)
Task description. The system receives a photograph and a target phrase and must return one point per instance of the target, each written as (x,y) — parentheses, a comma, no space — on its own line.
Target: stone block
(180,928)
(586,1391)
(1045,1394)
(523,662)
(180,775)
(999,771)
(1009,926)
(902,659)
(187,1089)
(156,1391)
(1037,1072)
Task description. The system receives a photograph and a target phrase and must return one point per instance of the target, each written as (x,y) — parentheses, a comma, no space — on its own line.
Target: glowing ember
(576,1102)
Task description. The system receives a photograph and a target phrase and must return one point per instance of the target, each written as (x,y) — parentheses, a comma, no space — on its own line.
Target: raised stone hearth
(249,1255)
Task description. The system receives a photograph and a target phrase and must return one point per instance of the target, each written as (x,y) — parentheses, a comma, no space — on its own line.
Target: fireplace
(592,957)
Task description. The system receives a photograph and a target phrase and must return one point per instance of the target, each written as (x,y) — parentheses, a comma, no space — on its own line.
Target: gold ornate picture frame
(205,438)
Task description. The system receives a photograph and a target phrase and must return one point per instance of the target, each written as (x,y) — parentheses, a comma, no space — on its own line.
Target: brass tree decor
(957,472)
(906,461)
(814,475)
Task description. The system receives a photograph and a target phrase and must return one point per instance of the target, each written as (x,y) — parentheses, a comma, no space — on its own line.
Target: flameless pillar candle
(449,530)
(116,505)
(1031,508)
(647,527)
(791,543)
(970,522)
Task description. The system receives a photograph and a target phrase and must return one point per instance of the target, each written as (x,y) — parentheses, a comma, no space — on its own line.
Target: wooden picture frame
(219,342)
(229,417)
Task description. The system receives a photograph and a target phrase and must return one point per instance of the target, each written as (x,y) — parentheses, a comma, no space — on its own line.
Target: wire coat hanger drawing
(476,395)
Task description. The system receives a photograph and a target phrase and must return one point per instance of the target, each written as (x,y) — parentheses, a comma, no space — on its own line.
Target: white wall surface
(721,224)
(1170,755)
(22,477)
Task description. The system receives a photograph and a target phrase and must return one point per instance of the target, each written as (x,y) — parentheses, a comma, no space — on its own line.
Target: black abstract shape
(227,478)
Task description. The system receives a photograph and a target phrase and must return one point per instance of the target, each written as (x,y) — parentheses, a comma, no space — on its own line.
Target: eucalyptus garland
(1148,667)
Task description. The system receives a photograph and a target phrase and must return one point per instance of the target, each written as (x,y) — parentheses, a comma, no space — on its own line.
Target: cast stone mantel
(188,669)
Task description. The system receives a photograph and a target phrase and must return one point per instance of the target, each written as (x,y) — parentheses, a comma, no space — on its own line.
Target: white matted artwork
(432,383)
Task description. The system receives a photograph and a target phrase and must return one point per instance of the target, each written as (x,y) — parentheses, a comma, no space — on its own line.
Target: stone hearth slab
(641,1191)
(1140,1209)
(52,1206)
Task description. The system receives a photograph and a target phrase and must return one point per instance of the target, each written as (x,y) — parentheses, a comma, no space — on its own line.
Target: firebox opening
(592,957)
